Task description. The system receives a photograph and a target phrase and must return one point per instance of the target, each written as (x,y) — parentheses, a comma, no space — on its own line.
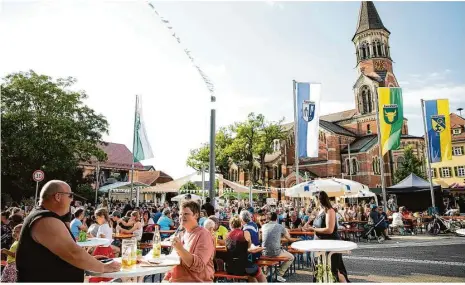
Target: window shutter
(434,172)
(461,148)
(440,172)
(456,171)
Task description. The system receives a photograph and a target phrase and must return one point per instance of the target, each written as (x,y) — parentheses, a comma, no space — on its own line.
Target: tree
(201,156)
(45,125)
(411,164)
(269,132)
(190,186)
(246,143)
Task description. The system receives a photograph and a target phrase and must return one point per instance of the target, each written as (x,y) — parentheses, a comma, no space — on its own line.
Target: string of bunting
(206,79)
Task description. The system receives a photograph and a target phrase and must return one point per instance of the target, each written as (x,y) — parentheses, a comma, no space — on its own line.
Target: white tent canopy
(182,197)
(239,188)
(333,187)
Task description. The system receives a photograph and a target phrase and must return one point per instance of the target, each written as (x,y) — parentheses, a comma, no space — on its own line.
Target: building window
(457,131)
(365,100)
(400,161)
(445,172)
(433,172)
(457,150)
(347,166)
(460,171)
(354,166)
(368,129)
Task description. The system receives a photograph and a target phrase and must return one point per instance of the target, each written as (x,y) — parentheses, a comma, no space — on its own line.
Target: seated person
(165,222)
(237,263)
(293,222)
(220,231)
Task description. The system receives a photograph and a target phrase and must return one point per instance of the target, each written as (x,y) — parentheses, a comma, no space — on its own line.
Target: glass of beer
(134,251)
(127,250)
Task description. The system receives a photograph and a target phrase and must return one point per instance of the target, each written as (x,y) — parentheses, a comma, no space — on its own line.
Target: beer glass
(127,250)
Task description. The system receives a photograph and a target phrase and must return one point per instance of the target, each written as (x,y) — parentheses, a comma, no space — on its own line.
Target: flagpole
(430,178)
(380,147)
(296,143)
(133,148)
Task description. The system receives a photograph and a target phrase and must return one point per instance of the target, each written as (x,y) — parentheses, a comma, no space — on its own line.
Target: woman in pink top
(196,249)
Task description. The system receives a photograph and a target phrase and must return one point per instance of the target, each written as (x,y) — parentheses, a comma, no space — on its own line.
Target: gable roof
(362,144)
(456,121)
(339,116)
(118,156)
(335,128)
(150,177)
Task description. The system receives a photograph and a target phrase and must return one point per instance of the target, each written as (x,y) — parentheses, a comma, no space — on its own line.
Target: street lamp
(460,111)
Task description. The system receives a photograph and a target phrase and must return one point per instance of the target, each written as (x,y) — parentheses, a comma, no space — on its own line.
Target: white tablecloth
(137,270)
(91,242)
(324,245)
(460,232)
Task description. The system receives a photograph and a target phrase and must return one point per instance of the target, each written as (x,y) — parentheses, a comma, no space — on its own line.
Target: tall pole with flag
(141,149)
(389,121)
(436,121)
(307,121)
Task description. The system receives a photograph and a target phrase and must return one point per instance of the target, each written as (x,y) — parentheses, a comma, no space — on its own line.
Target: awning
(121,187)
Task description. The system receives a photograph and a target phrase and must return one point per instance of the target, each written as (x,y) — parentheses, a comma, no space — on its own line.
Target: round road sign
(38,175)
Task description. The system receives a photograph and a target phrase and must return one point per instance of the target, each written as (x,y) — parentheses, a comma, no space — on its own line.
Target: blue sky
(251,50)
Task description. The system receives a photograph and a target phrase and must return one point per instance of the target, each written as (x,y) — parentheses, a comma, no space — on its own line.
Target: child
(9,273)
(104,231)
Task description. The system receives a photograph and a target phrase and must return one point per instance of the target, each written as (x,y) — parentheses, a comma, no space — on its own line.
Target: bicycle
(439,224)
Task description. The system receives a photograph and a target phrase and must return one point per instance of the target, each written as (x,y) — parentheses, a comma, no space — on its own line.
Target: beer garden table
(325,248)
(139,270)
(91,242)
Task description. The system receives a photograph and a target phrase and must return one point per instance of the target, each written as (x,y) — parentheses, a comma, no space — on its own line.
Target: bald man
(47,251)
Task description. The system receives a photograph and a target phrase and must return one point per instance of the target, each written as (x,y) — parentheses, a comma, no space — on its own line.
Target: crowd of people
(39,243)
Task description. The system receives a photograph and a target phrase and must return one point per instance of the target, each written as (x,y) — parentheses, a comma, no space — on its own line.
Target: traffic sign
(38,175)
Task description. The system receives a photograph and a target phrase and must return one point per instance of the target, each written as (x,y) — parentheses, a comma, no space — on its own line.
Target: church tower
(373,55)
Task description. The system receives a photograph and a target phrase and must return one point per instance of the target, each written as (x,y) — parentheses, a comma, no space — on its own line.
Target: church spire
(368,18)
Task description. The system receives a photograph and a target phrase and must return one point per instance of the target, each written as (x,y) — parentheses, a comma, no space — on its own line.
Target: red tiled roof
(456,121)
(151,177)
(119,156)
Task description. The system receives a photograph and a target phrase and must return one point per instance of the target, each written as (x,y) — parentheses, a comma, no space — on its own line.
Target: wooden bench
(278,259)
(226,276)
(270,264)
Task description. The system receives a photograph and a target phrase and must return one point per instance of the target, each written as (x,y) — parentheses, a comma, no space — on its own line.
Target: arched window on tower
(388,52)
(375,53)
(378,48)
(368,129)
(364,51)
(365,100)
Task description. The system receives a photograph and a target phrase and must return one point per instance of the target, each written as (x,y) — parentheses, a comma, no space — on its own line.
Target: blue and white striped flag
(308,118)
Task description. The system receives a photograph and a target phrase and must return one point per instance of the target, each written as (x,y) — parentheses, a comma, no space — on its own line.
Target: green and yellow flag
(391,117)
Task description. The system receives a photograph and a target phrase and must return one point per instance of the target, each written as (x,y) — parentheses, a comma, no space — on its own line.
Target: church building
(348,140)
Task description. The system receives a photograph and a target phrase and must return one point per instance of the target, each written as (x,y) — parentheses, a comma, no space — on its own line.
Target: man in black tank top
(47,251)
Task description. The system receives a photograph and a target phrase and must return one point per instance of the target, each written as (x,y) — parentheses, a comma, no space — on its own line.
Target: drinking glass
(134,251)
(127,249)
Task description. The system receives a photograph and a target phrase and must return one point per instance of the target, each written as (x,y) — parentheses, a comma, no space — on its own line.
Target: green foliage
(190,186)
(411,164)
(45,125)
(200,157)
(243,143)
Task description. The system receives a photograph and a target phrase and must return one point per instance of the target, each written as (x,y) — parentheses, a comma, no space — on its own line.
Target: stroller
(372,233)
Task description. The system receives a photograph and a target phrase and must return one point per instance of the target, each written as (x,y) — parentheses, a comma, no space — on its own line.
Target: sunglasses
(70,194)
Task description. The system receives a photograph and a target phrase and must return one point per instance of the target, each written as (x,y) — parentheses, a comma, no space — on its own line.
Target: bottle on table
(156,251)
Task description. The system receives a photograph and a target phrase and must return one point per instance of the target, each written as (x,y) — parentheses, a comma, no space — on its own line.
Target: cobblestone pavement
(404,259)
